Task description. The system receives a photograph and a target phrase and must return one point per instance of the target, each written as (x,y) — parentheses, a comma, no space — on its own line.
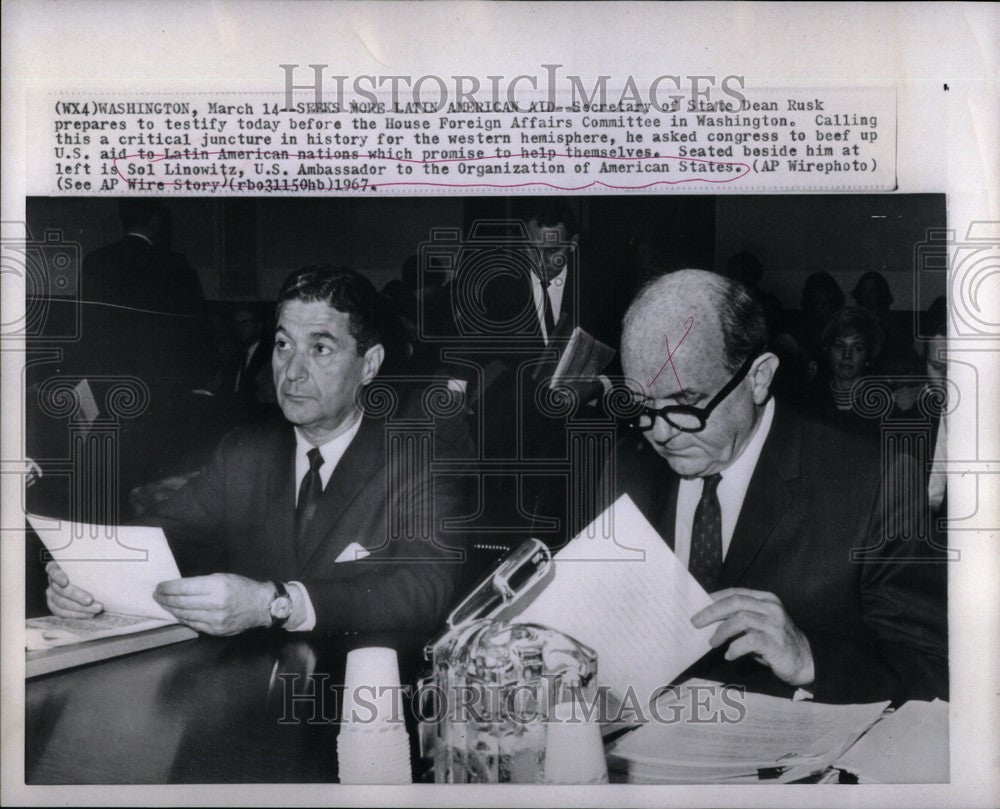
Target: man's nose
(296,367)
(662,430)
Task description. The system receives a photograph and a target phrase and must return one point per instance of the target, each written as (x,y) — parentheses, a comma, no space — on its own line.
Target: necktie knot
(315,459)
(711,483)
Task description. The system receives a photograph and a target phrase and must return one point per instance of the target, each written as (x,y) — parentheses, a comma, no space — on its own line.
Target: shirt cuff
(301,605)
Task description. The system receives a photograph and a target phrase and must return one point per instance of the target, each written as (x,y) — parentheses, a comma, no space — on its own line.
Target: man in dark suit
(140,271)
(246,385)
(521,294)
(326,523)
(143,316)
(796,530)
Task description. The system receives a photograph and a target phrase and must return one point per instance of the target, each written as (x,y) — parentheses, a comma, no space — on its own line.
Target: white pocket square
(352,553)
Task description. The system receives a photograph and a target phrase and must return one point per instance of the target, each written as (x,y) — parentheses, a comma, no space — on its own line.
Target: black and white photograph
(499,404)
(429,439)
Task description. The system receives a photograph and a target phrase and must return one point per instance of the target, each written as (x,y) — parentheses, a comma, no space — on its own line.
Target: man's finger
(198,601)
(763,595)
(752,642)
(69,608)
(190,586)
(729,605)
(56,573)
(738,624)
(74,593)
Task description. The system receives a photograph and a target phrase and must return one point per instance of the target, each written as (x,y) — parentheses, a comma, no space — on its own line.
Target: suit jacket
(877,626)
(237,516)
(248,401)
(132,272)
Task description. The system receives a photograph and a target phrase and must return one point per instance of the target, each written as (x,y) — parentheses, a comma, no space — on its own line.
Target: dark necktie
(550,323)
(706,535)
(309,493)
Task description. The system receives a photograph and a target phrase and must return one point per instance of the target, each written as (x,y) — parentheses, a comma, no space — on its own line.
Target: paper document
(619,589)
(908,746)
(704,733)
(119,566)
(51,630)
(88,410)
(584,357)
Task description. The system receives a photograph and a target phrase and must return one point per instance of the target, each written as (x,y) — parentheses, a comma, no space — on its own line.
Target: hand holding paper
(219,604)
(117,567)
(67,600)
(760,626)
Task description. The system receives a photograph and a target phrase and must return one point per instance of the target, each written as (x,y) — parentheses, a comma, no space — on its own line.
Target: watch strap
(280,591)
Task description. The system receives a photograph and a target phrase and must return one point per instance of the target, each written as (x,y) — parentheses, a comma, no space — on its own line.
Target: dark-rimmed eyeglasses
(688,418)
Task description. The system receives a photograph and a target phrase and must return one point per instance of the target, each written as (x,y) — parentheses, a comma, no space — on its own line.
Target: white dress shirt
(556,288)
(938,482)
(731,492)
(332,451)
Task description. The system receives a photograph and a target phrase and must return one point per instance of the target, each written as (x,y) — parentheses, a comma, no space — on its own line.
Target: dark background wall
(243,248)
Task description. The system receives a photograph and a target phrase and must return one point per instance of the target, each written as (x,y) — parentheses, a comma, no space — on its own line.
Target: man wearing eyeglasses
(766,509)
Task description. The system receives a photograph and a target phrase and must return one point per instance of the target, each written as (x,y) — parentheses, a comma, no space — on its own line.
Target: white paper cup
(372,696)
(574,748)
(374,758)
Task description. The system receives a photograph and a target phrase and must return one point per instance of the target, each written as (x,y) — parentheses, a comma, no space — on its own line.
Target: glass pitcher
(484,704)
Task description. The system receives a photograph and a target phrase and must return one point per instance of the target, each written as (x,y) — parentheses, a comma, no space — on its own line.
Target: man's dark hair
(138,212)
(547,212)
(343,289)
(744,327)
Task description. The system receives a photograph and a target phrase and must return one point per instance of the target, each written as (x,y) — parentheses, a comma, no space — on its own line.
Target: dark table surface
(209,710)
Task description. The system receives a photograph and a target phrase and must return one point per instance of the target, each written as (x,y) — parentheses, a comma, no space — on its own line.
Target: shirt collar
(561,278)
(332,451)
(740,471)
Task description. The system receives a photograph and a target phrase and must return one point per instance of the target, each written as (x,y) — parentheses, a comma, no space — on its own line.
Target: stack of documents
(120,567)
(703,733)
(908,746)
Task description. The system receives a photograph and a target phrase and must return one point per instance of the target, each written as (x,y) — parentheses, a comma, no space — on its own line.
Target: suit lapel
(363,458)
(280,497)
(666,508)
(768,497)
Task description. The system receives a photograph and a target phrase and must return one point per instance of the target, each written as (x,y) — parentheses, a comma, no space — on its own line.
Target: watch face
(281,608)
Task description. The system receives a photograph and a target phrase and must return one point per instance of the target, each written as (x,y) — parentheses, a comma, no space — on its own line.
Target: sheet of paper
(746,732)
(618,588)
(88,410)
(51,630)
(119,566)
(909,746)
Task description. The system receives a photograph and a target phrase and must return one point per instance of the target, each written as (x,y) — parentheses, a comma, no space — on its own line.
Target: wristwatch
(281,605)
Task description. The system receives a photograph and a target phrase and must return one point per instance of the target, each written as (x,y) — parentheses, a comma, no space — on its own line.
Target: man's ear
(372,362)
(762,376)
